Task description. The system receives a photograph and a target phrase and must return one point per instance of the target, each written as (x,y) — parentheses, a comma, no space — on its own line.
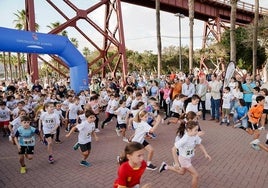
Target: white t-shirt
(4,114)
(122,115)
(15,125)
(141,129)
(191,107)
(85,129)
(73,110)
(226,100)
(114,106)
(49,122)
(177,106)
(186,145)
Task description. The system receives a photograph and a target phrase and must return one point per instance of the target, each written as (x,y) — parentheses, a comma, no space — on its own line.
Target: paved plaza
(234,164)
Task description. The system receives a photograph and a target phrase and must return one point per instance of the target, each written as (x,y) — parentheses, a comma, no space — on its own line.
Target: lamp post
(179,16)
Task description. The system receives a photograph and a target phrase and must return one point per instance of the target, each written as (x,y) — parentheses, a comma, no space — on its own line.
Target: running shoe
(85,163)
(162,167)
(23,169)
(151,167)
(50,159)
(76,146)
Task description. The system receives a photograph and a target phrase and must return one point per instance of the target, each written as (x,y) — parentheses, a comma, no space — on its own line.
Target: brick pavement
(234,164)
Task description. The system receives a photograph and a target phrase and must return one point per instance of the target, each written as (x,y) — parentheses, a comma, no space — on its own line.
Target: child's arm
(95,135)
(204,151)
(175,156)
(17,143)
(71,131)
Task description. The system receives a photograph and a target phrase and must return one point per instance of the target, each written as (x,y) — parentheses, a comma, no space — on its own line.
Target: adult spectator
(248,88)
(188,89)
(61,93)
(37,86)
(177,87)
(215,90)
(201,91)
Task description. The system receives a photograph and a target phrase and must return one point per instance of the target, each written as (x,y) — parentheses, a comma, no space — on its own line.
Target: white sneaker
(125,140)
(97,130)
(256,142)
(118,131)
(261,128)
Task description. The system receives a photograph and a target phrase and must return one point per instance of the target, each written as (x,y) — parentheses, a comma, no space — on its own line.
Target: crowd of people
(140,104)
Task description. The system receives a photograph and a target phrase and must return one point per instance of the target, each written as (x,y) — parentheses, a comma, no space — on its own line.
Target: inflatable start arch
(12,40)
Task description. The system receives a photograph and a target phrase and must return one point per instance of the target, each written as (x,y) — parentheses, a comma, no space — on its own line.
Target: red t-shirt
(129,177)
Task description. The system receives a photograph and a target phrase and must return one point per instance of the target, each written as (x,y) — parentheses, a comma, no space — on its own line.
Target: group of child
(134,111)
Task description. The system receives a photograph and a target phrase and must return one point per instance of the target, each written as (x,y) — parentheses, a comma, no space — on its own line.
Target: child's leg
(123,132)
(195,176)
(58,134)
(150,150)
(262,146)
(178,170)
(22,162)
(256,134)
(49,145)
(85,155)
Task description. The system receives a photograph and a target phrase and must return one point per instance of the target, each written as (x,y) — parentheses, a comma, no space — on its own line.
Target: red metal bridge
(214,13)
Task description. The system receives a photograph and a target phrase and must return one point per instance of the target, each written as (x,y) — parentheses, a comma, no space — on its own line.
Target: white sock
(149,162)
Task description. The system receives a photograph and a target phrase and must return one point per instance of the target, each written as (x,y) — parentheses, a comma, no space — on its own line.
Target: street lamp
(179,16)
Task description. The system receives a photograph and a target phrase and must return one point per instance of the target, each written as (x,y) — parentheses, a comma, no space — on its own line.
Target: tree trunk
(10,67)
(5,66)
(191,24)
(232,30)
(158,34)
(255,41)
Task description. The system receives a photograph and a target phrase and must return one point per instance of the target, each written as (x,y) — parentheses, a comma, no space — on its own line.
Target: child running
(49,122)
(142,128)
(25,141)
(186,146)
(132,166)
(86,131)
(122,117)
(254,116)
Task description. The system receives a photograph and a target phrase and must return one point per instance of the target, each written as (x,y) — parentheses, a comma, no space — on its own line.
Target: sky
(139,23)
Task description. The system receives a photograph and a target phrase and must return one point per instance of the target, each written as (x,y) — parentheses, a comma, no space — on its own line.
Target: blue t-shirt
(241,111)
(26,136)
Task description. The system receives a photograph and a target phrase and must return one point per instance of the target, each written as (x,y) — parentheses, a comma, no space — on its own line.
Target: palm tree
(232,30)
(21,24)
(74,41)
(158,33)
(55,25)
(255,33)
(191,24)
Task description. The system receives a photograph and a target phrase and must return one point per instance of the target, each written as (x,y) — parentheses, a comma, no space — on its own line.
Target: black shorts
(145,143)
(265,111)
(122,126)
(176,115)
(26,150)
(85,147)
(49,135)
(253,126)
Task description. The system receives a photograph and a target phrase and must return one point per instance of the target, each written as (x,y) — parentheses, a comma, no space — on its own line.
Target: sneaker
(118,131)
(125,140)
(151,167)
(255,144)
(50,159)
(85,163)
(58,142)
(162,167)
(228,123)
(23,169)
(151,135)
(255,147)
(97,130)
(238,125)
(67,130)
(76,146)
(118,159)
(266,142)
(261,128)
(221,123)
